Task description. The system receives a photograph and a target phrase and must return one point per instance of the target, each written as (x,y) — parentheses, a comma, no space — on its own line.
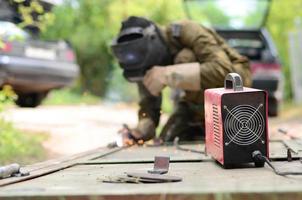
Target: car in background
(242,25)
(33,67)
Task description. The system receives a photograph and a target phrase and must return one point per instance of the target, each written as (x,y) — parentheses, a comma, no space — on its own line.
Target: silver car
(33,67)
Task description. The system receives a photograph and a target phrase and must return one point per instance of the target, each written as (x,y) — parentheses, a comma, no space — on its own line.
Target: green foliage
(207,13)
(7,96)
(92,49)
(280,22)
(120,89)
(86,27)
(160,11)
(1,43)
(70,97)
(256,16)
(33,14)
(16,146)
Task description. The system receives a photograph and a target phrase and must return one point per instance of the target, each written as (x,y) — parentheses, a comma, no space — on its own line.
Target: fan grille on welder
(244,124)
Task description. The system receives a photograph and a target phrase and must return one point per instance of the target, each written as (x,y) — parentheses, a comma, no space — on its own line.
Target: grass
(20,147)
(290,110)
(17,146)
(69,97)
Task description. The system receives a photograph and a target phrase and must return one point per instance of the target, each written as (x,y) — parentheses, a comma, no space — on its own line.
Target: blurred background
(66,94)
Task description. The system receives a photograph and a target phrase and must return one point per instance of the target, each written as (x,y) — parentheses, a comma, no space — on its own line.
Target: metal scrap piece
(159,177)
(127,179)
(161,165)
(9,170)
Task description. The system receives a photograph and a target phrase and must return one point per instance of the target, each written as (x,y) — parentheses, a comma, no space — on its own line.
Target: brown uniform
(190,42)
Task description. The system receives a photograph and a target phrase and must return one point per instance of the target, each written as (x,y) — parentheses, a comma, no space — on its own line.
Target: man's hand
(128,137)
(144,131)
(154,80)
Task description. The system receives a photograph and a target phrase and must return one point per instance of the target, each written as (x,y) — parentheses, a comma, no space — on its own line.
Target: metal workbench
(79,177)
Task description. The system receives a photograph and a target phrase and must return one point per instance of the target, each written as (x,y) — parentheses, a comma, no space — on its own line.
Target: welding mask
(140,48)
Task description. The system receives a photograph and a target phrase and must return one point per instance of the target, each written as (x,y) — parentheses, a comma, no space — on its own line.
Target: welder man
(183,55)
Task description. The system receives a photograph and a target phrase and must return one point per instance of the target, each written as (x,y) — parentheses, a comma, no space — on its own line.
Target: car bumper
(32,75)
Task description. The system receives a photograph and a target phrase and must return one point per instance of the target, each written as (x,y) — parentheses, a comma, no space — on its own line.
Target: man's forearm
(184,76)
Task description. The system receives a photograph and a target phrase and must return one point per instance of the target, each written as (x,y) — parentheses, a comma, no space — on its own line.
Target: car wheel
(272,107)
(30,100)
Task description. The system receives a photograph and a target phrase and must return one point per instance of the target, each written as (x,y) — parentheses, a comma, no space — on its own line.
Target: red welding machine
(236,123)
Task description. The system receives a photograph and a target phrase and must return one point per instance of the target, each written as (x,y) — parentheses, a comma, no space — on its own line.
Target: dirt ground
(74,129)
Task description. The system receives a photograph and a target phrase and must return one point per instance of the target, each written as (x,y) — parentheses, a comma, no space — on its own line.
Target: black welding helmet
(138,47)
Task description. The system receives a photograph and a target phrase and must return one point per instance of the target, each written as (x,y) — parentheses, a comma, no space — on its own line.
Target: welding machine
(236,123)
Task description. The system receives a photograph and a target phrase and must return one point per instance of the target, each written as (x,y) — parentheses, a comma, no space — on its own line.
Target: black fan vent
(244,124)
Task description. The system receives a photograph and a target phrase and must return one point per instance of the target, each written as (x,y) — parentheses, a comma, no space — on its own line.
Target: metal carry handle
(233,81)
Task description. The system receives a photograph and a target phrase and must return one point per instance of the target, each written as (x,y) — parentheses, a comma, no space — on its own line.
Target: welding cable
(257,156)
(178,147)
